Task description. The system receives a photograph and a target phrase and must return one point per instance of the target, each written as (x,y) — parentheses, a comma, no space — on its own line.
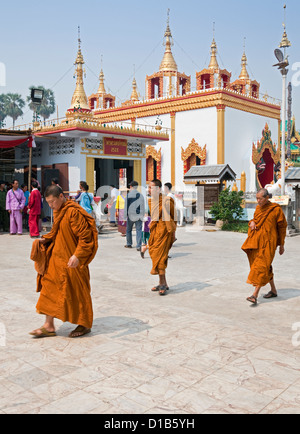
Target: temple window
(254,91)
(155,91)
(193,155)
(205,81)
(93,103)
(183,86)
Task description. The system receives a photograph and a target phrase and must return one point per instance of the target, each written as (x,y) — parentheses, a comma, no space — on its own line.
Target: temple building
(215,124)
(163,135)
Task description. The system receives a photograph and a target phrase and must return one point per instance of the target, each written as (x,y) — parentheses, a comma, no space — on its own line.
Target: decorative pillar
(173,148)
(221,134)
(133,122)
(243,182)
(90,173)
(137,171)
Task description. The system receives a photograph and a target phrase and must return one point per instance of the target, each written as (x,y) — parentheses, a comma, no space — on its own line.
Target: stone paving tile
(200,349)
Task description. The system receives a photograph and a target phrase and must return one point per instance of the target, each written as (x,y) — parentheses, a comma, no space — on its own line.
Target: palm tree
(47,107)
(2,109)
(13,106)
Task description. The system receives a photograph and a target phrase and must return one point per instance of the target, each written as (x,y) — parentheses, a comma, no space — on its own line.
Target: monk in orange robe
(65,285)
(162,233)
(266,232)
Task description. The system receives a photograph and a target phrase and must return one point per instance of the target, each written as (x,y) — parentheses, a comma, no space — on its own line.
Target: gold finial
(168,63)
(79,100)
(213,64)
(134,94)
(285,43)
(244,73)
(101,89)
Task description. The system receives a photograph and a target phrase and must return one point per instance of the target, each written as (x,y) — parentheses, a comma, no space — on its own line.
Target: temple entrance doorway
(109,171)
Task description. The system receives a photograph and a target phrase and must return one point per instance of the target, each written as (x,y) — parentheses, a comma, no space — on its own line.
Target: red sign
(115,146)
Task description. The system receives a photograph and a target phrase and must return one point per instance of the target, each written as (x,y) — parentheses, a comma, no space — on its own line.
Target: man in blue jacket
(134,210)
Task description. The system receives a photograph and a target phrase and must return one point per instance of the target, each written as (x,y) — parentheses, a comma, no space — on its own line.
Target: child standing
(145,234)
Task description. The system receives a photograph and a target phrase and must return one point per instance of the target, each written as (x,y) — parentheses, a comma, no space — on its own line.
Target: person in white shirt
(168,190)
(114,193)
(178,201)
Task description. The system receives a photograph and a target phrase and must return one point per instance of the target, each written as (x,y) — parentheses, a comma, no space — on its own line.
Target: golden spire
(244,73)
(101,89)
(134,94)
(79,99)
(285,43)
(213,64)
(168,63)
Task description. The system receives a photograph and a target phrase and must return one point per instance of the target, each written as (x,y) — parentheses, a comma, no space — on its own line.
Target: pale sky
(39,43)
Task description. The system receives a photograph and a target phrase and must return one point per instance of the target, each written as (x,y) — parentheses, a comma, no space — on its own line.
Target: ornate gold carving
(194,148)
(192,101)
(91,123)
(262,145)
(152,152)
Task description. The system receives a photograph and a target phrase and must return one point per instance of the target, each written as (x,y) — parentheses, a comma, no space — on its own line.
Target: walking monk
(266,232)
(162,233)
(64,285)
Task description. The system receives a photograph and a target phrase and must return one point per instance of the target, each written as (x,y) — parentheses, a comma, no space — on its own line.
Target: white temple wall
(200,125)
(64,150)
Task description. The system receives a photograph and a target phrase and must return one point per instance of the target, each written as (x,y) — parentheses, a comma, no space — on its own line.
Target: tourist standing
(86,199)
(25,210)
(168,190)
(145,234)
(134,213)
(162,233)
(267,231)
(4,218)
(120,215)
(15,202)
(114,193)
(64,284)
(35,209)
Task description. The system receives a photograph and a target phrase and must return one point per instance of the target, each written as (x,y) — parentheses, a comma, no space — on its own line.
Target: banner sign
(117,147)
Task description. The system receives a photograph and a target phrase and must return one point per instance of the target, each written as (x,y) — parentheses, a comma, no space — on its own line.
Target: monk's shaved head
(262,197)
(53,190)
(264,192)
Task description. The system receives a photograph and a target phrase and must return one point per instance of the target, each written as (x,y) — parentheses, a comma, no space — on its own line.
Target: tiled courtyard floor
(200,349)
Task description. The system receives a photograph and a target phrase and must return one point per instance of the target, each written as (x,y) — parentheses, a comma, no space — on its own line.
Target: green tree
(2,109)
(47,107)
(229,208)
(14,104)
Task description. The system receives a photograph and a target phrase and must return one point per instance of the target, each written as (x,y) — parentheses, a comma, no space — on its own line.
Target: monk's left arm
(281,228)
(85,238)
(169,215)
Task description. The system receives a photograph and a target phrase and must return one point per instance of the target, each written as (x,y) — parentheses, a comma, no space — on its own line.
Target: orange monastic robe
(65,293)
(262,242)
(162,229)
